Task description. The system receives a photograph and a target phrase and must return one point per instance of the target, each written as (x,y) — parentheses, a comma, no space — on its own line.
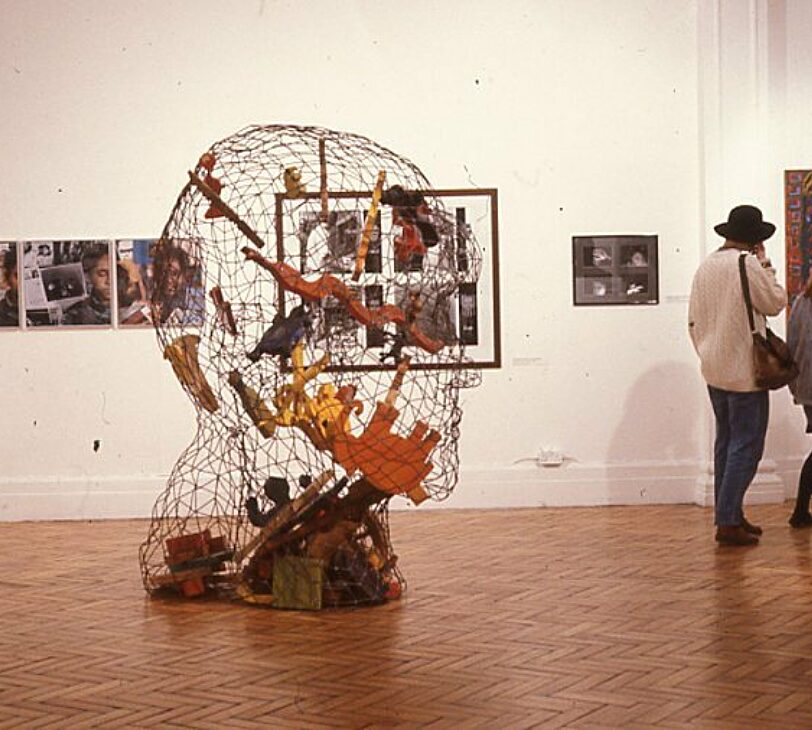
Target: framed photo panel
(451,287)
(615,270)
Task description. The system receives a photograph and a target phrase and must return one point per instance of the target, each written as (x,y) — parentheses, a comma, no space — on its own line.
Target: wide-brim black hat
(745,224)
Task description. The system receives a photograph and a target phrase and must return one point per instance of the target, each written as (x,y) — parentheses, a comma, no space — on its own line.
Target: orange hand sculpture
(390,462)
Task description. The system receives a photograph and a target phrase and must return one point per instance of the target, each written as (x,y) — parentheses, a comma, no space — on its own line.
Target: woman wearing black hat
(720,332)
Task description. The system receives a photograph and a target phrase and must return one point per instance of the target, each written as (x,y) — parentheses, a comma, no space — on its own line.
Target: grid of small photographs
(615,270)
(461,307)
(99,283)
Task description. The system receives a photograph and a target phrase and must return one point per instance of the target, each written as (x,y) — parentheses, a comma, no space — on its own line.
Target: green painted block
(297,583)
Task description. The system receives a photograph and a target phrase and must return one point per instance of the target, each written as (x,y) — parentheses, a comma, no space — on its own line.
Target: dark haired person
(10,303)
(720,332)
(95,308)
(174,301)
(799,339)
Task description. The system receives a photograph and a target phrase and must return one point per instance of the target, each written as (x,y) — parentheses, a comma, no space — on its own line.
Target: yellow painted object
(244,593)
(262,416)
(293,183)
(294,407)
(372,214)
(329,414)
(182,354)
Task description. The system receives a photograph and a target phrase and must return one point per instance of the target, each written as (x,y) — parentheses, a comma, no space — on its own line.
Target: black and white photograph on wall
(312,236)
(343,233)
(462,234)
(610,269)
(331,246)
(373,263)
(432,310)
(67,283)
(134,281)
(597,256)
(469,317)
(334,325)
(634,256)
(177,296)
(9,289)
(373,299)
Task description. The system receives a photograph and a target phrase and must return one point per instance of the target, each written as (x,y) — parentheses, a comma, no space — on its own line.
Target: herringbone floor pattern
(595,618)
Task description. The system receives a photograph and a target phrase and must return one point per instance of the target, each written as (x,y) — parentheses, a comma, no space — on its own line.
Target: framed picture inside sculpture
(455,281)
(67,283)
(798,229)
(610,269)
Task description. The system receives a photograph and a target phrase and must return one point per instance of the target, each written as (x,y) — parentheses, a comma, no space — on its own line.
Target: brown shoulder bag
(772,361)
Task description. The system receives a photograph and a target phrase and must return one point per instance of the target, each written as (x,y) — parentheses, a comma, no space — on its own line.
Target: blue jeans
(741,426)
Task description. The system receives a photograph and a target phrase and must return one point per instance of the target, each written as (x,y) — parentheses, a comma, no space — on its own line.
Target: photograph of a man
(95,308)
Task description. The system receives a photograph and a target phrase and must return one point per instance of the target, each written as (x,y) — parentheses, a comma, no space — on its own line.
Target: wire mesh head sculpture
(324,366)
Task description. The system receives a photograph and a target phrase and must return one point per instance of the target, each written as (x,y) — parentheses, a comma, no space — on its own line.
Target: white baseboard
(767,486)
(79,498)
(573,485)
(506,487)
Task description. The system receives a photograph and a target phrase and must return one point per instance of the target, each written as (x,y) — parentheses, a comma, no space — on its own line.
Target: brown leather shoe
(734,535)
(750,527)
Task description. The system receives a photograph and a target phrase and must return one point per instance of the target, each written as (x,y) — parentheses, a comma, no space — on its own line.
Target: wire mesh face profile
(324,367)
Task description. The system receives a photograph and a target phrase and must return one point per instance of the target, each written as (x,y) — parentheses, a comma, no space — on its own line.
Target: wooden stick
(394,389)
(224,308)
(223,207)
(372,214)
(325,210)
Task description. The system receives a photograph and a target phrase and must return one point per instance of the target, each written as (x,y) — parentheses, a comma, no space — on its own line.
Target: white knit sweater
(717,317)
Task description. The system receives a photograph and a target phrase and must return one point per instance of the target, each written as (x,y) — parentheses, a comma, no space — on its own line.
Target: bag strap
(746,292)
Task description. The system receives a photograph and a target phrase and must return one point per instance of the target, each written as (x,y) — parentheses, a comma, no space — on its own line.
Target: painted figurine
(284,334)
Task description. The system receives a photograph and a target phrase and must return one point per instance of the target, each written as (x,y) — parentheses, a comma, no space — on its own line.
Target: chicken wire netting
(325,367)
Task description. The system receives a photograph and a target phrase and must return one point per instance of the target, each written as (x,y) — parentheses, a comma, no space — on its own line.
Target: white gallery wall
(590,117)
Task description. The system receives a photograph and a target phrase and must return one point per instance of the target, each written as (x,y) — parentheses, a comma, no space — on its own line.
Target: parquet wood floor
(580,618)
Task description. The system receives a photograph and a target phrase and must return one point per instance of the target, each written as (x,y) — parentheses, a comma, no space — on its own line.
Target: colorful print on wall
(176,286)
(67,283)
(9,279)
(134,282)
(798,220)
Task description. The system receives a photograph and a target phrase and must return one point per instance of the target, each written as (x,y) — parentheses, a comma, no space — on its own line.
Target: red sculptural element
(216,186)
(328,285)
(409,243)
(207,161)
(413,215)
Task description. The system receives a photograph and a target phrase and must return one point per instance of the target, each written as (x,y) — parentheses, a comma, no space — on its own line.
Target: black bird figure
(283,334)
(277,490)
